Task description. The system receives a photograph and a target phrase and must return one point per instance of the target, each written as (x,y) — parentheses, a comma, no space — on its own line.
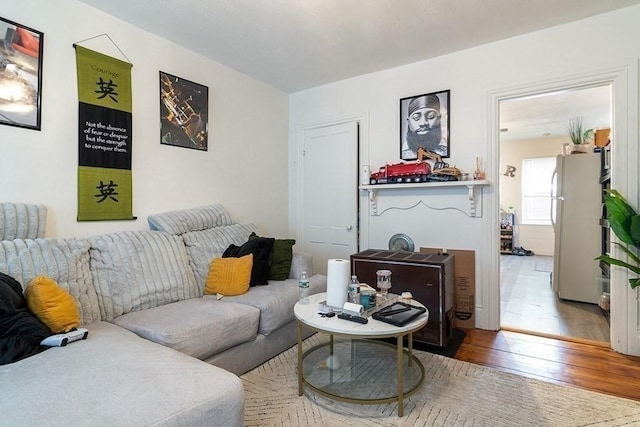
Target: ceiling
(547,115)
(298,44)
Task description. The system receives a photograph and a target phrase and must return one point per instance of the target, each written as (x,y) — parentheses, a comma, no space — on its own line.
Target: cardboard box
(464,310)
(602,137)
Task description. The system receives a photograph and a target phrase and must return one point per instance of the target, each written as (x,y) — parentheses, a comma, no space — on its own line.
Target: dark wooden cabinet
(429,278)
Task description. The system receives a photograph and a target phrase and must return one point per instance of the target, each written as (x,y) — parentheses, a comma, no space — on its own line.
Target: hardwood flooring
(589,365)
(565,343)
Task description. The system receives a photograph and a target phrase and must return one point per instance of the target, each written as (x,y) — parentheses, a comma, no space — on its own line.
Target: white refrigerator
(576,201)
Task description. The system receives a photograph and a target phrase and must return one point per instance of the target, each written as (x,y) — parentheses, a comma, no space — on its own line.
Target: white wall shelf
(475,196)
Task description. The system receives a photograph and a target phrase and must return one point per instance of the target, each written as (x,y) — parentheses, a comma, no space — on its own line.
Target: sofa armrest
(301,261)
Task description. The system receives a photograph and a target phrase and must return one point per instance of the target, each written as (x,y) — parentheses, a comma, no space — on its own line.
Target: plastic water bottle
(353,290)
(303,287)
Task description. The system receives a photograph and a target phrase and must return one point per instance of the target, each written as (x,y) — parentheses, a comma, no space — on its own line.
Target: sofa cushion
(229,276)
(136,270)
(276,301)
(115,378)
(205,245)
(22,221)
(54,306)
(280,258)
(199,327)
(261,248)
(64,260)
(182,221)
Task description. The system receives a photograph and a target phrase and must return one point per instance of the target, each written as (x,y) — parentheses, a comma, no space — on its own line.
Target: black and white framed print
(424,123)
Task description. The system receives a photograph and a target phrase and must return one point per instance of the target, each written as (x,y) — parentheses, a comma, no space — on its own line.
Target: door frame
(362,119)
(623,78)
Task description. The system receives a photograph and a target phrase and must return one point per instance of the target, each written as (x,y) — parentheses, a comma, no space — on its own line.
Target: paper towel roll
(338,275)
(353,309)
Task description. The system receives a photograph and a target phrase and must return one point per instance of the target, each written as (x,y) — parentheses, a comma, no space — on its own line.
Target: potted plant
(579,136)
(625,223)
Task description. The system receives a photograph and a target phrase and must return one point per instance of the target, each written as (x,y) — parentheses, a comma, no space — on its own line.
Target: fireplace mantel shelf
(475,196)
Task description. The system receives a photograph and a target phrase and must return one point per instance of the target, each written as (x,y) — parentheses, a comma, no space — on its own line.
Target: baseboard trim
(558,337)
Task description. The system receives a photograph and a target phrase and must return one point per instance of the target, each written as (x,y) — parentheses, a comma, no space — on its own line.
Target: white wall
(537,238)
(245,167)
(472,75)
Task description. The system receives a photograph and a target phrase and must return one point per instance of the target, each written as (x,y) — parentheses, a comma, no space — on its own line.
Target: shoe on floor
(518,251)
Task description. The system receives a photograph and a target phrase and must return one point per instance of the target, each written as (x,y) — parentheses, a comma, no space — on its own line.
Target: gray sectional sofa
(151,329)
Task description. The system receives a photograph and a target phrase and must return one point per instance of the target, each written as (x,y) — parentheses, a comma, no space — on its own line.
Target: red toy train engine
(401,172)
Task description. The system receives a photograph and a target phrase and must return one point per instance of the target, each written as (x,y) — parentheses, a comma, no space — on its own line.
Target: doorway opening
(533,133)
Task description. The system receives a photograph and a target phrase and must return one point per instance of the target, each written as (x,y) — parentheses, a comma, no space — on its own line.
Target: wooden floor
(589,365)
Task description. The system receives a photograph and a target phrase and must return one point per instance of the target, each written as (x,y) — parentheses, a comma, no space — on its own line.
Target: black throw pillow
(261,250)
(281,257)
(20,330)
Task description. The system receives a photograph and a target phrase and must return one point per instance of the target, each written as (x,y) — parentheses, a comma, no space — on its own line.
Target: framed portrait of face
(424,123)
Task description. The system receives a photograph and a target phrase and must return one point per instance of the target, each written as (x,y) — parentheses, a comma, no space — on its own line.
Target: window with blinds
(537,189)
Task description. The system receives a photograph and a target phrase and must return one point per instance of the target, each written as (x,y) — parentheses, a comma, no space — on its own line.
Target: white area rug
(454,393)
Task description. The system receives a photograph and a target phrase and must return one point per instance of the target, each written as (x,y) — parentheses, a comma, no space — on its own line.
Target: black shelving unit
(507,232)
(605,181)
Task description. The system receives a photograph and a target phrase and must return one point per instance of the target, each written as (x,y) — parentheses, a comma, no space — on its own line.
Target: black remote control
(352,318)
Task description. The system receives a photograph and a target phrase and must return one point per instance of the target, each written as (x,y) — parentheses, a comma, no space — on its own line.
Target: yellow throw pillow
(229,276)
(54,306)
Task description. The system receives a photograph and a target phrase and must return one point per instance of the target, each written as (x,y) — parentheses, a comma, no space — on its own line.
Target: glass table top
(360,370)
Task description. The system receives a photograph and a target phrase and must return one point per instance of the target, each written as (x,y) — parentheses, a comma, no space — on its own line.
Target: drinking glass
(383,282)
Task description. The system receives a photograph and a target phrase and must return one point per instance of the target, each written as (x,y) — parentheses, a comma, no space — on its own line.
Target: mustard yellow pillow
(54,306)
(229,276)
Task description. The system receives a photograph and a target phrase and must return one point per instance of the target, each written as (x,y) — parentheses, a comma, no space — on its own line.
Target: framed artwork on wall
(184,111)
(424,122)
(20,75)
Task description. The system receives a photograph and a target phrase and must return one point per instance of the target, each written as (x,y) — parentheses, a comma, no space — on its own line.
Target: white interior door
(330,193)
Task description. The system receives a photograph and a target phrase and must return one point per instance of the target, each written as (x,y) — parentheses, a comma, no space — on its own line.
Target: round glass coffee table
(354,367)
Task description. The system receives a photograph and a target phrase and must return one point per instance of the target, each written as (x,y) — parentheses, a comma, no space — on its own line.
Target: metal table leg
(400,378)
(410,347)
(299,359)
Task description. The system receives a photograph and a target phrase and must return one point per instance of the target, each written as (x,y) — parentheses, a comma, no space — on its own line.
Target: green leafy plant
(625,224)
(576,130)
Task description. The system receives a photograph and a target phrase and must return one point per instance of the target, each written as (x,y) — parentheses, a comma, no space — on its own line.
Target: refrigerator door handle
(553,197)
